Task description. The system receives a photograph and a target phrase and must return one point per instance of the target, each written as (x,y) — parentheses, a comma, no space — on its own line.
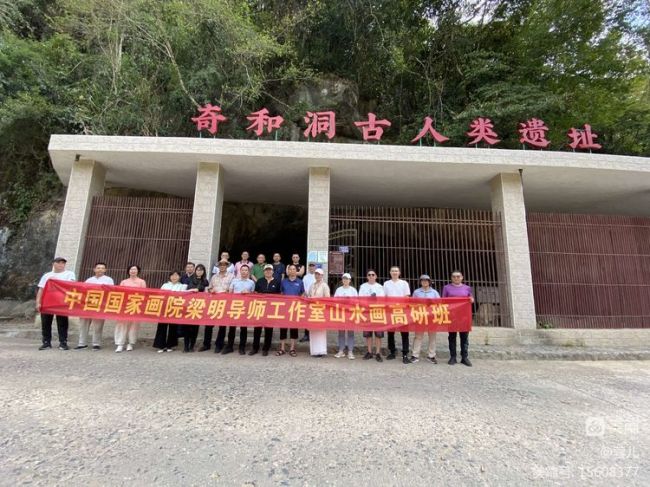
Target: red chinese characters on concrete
(429,130)
(583,138)
(482,131)
(373,129)
(261,121)
(533,133)
(320,123)
(209,118)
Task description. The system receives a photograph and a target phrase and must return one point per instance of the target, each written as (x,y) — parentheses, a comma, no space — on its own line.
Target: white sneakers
(119,349)
(341,354)
(129,348)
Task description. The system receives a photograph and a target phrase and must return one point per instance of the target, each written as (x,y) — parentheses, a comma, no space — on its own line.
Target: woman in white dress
(318,338)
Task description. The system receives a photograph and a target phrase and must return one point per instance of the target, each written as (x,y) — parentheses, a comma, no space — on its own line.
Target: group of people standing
(245,277)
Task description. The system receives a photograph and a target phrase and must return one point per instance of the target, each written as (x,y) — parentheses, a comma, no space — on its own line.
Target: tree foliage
(140,67)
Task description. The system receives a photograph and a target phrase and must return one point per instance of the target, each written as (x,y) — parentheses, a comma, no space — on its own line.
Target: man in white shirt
(100,277)
(241,284)
(396,287)
(374,289)
(58,272)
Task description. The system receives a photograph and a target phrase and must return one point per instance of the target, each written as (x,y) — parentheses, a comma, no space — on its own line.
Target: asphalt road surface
(142,418)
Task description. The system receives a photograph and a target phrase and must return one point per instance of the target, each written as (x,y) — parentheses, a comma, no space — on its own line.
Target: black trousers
(293,333)
(207,336)
(405,342)
(166,336)
(243,337)
(268,338)
(221,336)
(190,333)
(464,343)
(61,326)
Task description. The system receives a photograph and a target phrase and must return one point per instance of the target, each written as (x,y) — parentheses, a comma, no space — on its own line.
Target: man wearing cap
(425,291)
(100,277)
(60,273)
(242,284)
(346,337)
(219,283)
(307,281)
(266,285)
(396,287)
(372,289)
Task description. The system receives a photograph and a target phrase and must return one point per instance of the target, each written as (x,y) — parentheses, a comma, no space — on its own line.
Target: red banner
(271,310)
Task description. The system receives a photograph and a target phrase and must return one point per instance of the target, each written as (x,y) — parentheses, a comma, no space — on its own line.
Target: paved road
(100,418)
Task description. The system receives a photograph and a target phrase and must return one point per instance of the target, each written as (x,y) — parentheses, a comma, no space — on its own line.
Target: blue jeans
(350,340)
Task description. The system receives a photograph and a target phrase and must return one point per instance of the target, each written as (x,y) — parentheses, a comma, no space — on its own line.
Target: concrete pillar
(206,215)
(516,282)
(318,212)
(86,181)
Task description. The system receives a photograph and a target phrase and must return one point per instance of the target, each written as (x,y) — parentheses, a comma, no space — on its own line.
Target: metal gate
(424,241)
(590,271)
(153,233)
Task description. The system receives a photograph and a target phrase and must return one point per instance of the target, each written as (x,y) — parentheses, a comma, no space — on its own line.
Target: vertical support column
(318,212)
(508,200)
(86,181)
(206,215)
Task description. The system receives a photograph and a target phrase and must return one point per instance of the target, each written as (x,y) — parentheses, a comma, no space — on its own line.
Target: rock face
(329,93)
(28,253)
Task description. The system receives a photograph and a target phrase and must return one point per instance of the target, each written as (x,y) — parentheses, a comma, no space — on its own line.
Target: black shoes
(265,353)
(96,347)
(252,352)
(242,351)
(452,360)
(378,358)
(465,361)
(432,360)
(80,347)
(367,356)
(204,349)
(218,350)
(406,360)
(45,346)
(226,351)
(390,356)
(63,346)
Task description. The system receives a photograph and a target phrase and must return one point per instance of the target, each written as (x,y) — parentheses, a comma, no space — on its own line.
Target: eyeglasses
(456,276)
(371,275)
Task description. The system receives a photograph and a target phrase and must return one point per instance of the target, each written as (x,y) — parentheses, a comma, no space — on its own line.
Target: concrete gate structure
(321,175)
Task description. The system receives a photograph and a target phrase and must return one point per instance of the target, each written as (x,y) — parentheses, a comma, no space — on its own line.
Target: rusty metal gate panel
(434,241)
(153,233)
(590,271)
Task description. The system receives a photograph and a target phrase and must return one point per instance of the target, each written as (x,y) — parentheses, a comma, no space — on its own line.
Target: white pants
(84,326)
(124,329)
(417,343)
